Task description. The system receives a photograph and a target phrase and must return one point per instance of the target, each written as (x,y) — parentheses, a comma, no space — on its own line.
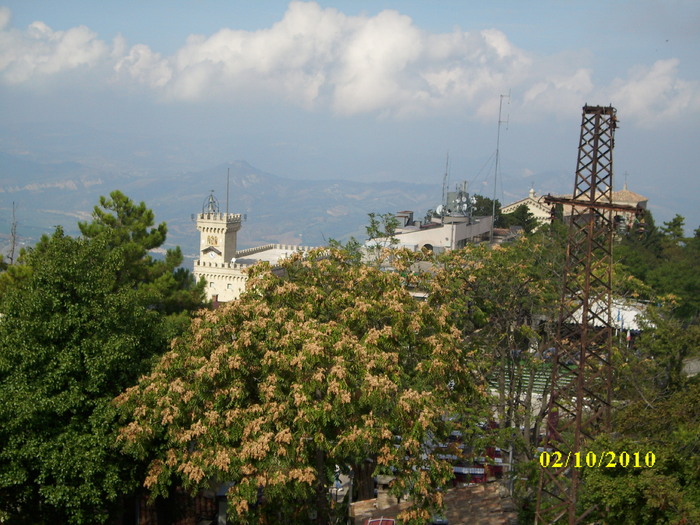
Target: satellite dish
(233,260)
(439,209)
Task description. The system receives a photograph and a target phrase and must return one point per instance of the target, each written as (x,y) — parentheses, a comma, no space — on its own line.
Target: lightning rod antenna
(495,173)
(13,235)
(228,178)
(445,183)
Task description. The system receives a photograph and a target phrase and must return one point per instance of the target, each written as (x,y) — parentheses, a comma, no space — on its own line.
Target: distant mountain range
(278,209)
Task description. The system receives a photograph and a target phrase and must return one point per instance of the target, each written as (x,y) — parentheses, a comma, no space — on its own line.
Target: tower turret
(217,232)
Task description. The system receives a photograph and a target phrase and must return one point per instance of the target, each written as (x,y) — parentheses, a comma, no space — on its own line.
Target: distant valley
(278,209)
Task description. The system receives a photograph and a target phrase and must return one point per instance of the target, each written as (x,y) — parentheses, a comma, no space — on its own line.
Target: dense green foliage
(483,207)
(521,216)
(81,319)
(658,412)
(162,283)
(669,491)
(665,260)
(71,339)
(655,404)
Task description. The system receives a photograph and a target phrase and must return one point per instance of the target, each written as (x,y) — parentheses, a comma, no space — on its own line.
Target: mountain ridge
(278,209)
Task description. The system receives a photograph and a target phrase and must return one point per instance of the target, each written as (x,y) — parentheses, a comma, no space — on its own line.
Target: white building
(542,211)
(441,233)
(535,205)
(223,266)
(449,227)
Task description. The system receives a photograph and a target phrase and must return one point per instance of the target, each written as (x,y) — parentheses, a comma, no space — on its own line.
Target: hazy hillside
(278,209)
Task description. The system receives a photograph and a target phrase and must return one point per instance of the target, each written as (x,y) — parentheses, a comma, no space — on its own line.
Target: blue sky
(359,90)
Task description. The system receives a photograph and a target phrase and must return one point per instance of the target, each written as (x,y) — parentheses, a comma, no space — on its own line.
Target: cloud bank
(321,59)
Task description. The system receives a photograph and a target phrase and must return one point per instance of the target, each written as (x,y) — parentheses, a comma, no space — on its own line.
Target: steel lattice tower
(579,405)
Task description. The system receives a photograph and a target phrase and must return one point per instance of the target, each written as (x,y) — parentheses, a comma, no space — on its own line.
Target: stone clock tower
(217,233)
(217,252)
(220,264)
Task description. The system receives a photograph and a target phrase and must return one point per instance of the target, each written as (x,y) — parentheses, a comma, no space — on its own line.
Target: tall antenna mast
(13,235)
(445,183)
(228,178)
(498,146)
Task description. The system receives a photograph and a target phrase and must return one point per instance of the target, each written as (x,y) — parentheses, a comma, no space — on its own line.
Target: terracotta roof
(627,196)
(624,196)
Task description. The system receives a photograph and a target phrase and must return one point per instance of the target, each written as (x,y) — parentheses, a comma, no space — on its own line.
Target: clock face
(212,255)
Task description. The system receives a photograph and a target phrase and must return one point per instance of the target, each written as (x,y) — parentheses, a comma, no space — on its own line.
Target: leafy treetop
(322,362)
(71,339)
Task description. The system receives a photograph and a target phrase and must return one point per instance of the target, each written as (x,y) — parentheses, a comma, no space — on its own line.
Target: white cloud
(558,91)
(40,51)
(374,64)
(144,65)
(654,93)
(5,16)
(320,58)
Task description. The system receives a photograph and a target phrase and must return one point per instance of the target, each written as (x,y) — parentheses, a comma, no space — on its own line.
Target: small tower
(217,239)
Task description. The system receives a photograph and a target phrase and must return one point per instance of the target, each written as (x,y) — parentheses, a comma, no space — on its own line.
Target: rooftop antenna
(13,235)
(228,179)
(445,182)
(498,145)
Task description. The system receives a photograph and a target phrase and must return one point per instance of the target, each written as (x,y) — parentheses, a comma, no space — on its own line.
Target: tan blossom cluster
(240,505)
(410,398)
(306,475)
(314,348)
(414,514)
(386,455)
(284,436)
(133,432)
(196,430)
(380,383)
(253,427)
(257,449)
(235,362)
(154,471)
(222,460)
(168,415)
(171,457)
(354,435)
(426,418)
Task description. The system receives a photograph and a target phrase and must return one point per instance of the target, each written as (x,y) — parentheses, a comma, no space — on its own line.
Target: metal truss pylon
(579,405)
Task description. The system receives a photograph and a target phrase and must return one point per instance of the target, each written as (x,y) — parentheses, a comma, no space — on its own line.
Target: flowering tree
(321,362)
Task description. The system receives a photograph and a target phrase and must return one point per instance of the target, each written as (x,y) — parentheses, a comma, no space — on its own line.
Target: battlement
(220,217)
(202,263)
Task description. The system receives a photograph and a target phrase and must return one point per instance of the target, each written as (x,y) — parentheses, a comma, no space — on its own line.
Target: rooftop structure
(440,233)
(537,206)
(449,227)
